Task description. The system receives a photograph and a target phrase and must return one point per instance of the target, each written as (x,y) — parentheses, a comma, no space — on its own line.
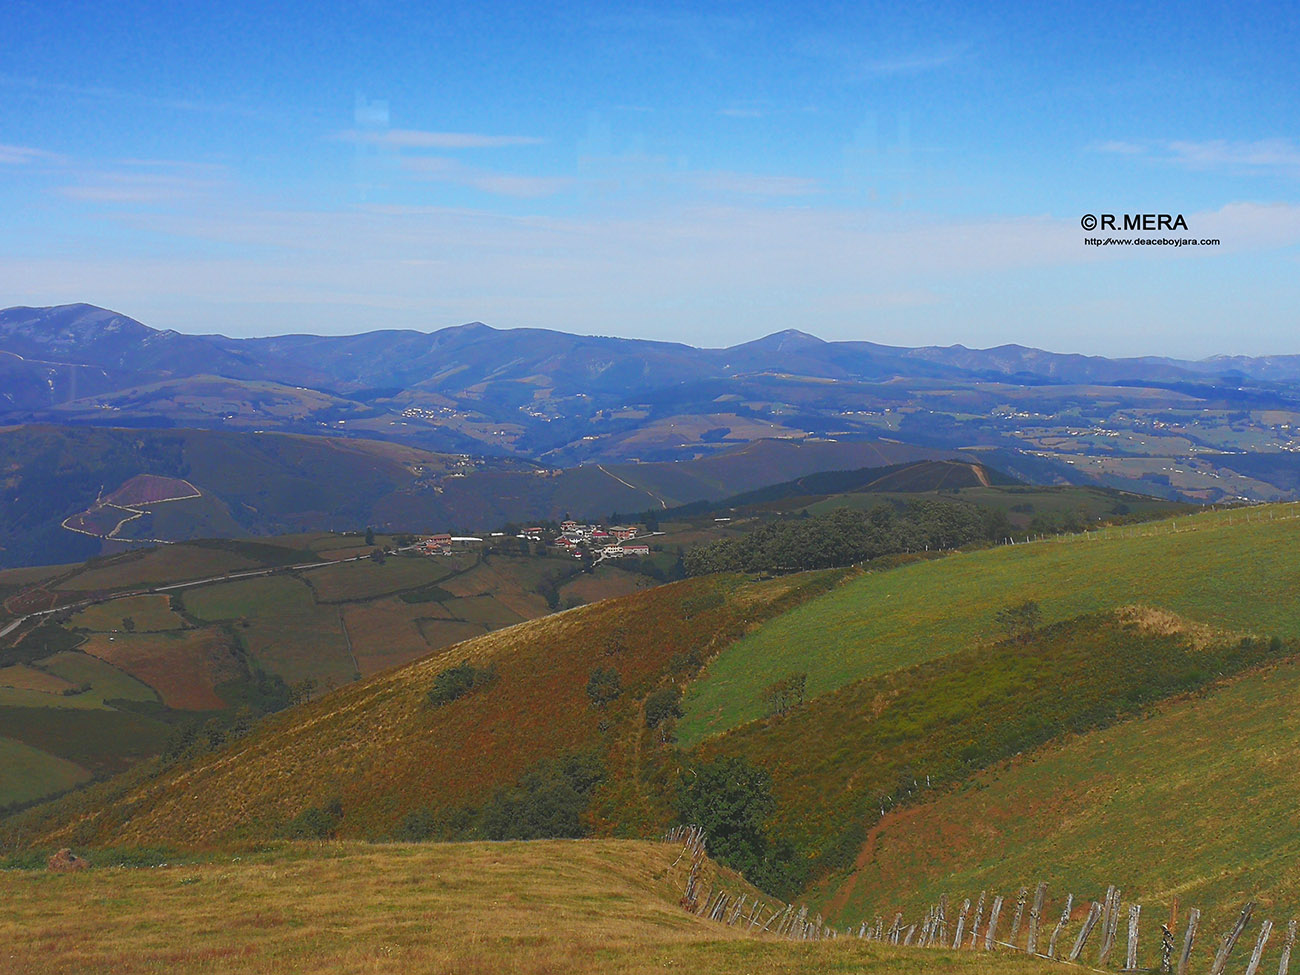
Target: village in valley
(597,541)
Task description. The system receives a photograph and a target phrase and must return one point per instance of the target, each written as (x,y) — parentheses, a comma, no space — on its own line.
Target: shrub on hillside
(455,682)
(663,705)
(315,822)
(1020,621)
(604,686)
(785,695)
(547,803)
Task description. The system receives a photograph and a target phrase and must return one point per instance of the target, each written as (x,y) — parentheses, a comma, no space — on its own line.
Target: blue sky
(911,174)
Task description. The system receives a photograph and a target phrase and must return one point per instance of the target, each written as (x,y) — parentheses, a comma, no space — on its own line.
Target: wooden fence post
(1284,966)
(1230,940)
(1020,913)
(994,912)
(911,932)
(975,925)
(961,923)
(1035,915)
(1265,931)
(1060,926)
(1109,924)
(1193,918)
(1131,957)
(1090,922)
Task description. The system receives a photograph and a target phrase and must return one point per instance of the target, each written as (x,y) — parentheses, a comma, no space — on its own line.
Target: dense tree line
(846,536)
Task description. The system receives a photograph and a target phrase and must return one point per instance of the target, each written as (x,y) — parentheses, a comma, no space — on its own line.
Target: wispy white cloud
(1217,153)
(1260,155)
(146,181)
(740,112)
(418,139)
(26,155)
(445,170)
(107,93)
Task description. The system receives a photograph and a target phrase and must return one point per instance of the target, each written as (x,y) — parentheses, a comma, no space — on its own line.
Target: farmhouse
(439,544)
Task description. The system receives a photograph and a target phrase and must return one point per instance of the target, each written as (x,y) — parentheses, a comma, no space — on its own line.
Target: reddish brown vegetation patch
(65,861)
(184,668)
(151,488)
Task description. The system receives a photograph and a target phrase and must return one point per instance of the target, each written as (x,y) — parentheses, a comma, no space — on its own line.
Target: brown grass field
(30,679)
(607,907)
(386,633)
(184,668)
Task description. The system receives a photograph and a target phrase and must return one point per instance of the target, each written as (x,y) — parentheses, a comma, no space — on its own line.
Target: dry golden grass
(1161,622)
(590,906)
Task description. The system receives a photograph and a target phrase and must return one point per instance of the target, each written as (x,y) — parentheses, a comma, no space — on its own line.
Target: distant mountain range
(1221,428)
(543,394)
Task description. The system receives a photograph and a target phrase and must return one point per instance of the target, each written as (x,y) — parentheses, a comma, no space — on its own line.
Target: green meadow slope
(1195,800)
(1236,570)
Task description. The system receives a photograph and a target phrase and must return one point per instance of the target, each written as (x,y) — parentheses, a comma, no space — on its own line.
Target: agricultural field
(28,773)
(148,613)
(107,683)
(1230,569)
(201,650)
(608,907)
(247,598)
(366,579)
(184,668)
(154,567)
(379,747)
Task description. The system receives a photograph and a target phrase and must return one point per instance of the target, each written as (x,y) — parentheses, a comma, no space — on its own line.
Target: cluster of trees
(548,801)
(458,681)
(732,799)
(785,695)
(846,536)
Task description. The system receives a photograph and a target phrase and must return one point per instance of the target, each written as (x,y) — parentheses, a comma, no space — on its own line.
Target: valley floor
(577,906)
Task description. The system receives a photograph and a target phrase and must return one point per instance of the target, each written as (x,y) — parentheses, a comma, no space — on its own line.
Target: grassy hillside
(1195,800)
(181,656)
(607,907)
(382,750)
(1233,570)
(842,760)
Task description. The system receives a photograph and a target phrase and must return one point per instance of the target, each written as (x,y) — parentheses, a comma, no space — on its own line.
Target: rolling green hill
(1058,746)
(1230,569)
(1194,800)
